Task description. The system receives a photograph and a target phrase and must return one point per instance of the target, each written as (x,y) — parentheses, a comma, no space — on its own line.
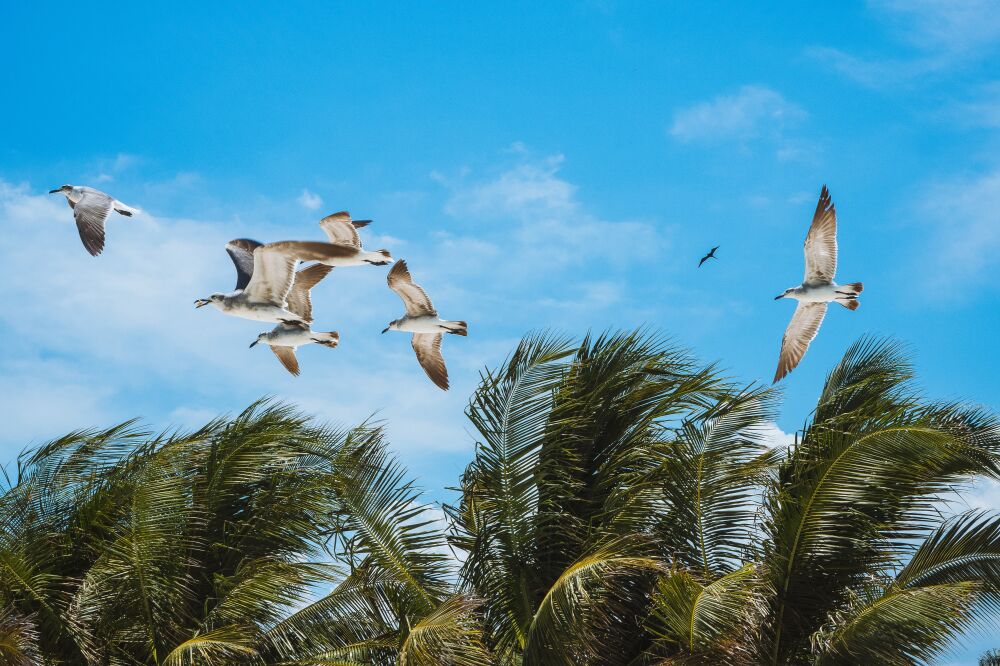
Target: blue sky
(538,165)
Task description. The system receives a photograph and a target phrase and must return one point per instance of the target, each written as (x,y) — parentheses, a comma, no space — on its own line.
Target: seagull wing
(802,329)
(821,242)
(241,252)
(416,300)
(340,229)
(315,250)
(428,349)
(90,212)
(298,298)
(287,357)
(273,274)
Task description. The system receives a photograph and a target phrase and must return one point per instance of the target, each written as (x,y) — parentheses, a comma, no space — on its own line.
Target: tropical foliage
(624,505)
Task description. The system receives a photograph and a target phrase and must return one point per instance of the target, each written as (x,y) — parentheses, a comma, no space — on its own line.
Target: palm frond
(450,634)
(699,619)
(221,646)
(576,618)
(897,626)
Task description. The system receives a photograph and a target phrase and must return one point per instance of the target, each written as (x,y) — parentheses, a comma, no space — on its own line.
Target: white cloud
(752,112)
(309,200)
(535,215)
(775,437)
(964,246)
(944,34)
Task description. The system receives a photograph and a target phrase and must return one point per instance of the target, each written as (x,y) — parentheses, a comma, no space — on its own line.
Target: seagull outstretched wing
(821,242)
(415,299)
(801,331)
(428,349)
(298,298)
(241,252)
(287,357)
(340,228)
(273,274)
(90,212)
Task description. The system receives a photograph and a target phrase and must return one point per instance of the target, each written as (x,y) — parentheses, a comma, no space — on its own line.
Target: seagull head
(260,338)
(392,325)
(64,188)
(784,293)
(202,302)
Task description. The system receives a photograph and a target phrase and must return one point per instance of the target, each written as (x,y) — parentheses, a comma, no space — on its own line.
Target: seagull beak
(201,302)
(385,329)
(779,297)
(254,344)
(55,191)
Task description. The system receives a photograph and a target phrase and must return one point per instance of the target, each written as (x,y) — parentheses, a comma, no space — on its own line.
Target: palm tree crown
(625,505)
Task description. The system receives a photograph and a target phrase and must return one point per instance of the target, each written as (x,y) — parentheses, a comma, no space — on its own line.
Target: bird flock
(270,287)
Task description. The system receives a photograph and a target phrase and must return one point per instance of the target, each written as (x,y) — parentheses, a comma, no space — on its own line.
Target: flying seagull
(285,338)
(422,320)
(264,277)
(710,255)
(91,208)
(817,288)
(343,233)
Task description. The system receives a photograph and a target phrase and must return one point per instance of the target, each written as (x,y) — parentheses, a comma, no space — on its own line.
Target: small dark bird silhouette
(710,255)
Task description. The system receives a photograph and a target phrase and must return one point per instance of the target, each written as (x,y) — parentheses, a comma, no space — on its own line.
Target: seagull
(91,208)
(264,277)
(343,232)
(710,255)
(285,338)
(817,289)
(422,320)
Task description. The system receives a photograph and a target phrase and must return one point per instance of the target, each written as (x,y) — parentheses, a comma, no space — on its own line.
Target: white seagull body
(264,278)
(817,289)
(90,209)
(284,339)
(421,319)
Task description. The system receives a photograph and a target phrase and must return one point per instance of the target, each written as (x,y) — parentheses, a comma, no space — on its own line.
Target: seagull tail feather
(856,286)
(461,328)
(331,339)
(125,209)
(850,303)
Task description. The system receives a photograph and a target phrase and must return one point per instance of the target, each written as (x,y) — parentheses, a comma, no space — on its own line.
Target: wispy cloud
(752,113)
(309,200)
(964,247)
(534,212)
(942,35)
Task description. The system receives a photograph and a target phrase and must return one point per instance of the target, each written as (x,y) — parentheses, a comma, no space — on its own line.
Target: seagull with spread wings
(264,278)
(421,319)
(817,288)
(344,248)
(284,339)
(90,209)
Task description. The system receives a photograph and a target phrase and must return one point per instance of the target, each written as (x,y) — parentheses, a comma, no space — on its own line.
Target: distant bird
(817,288)
(422,320)
(91,208)
(710,255)
(264,277)
(284,339)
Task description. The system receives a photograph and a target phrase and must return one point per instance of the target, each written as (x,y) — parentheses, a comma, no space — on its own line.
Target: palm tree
(120,547)
(624,507)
